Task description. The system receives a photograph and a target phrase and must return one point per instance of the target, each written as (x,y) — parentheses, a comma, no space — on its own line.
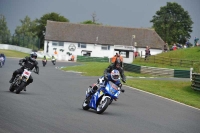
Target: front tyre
(20,87)
(103,105)
(85,105)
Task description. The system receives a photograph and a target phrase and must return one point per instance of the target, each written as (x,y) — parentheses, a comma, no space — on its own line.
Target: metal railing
(169,61)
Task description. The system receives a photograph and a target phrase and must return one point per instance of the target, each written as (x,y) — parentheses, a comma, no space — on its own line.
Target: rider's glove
(106,77)
(123,81)
(20,63)
(122,90)
(120,85)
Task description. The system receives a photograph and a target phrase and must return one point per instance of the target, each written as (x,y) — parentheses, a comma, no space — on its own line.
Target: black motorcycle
(20,81)
(44,62)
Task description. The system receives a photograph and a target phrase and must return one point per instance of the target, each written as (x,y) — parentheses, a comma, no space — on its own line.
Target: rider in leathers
(29,62)
(117,66)
(111,67)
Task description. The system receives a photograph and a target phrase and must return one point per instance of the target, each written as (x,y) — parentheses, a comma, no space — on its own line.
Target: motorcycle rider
(113,77)
(44,61)
(117,66)
(53,60)
(4,58)
(29,62)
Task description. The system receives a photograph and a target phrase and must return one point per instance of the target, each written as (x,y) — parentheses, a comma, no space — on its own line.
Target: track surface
(52,104)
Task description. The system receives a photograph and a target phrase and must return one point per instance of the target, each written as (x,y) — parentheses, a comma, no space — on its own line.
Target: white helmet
(115,75)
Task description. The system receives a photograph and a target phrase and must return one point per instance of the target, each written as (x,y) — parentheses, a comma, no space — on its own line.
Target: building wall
(74,49)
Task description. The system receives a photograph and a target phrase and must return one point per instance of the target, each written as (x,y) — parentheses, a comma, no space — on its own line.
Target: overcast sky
(124,13)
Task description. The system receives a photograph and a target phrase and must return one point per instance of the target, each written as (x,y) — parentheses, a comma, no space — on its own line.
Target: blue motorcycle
(102,98)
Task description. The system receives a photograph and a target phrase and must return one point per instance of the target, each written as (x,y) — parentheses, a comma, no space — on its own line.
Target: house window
(81,45)
(58,44)
(61,44)
(105,47)
(124,54)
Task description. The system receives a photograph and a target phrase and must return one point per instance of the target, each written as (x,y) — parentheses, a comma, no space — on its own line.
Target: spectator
(117,57)
(72,58)
(196,41)
(165,47)
(187,43)
(179,45)
(147,52)
(174,47)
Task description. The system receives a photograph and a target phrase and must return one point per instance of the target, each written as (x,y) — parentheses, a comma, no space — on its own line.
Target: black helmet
(33,55)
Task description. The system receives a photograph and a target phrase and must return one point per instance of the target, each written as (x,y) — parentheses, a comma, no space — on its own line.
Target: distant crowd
(180,46)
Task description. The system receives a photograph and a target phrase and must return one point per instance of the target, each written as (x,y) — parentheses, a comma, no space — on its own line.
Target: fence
(195,81)
(23,41)
(92,59)
(157,71)
(169,61)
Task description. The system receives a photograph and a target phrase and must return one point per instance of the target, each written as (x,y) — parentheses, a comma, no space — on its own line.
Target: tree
(93,21)
(4,31)
(89,22)
(24,34)
(172,23)
(41,24)
(26,28)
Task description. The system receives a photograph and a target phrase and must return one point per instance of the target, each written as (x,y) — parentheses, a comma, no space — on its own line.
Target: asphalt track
(52,104)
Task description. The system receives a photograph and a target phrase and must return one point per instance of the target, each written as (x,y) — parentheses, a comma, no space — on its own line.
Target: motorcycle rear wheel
(85,105)
(20,88)
(11,87)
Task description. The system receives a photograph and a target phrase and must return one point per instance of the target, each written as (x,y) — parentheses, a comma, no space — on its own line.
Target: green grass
(13,53)
(176,90)
(97,69)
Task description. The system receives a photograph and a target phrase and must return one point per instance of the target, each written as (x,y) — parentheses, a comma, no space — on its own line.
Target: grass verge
(13,53)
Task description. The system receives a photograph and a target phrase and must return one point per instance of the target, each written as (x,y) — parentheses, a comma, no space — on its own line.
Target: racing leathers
(112,67)
(102,81)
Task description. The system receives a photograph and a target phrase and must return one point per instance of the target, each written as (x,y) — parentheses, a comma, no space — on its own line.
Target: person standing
(147,52)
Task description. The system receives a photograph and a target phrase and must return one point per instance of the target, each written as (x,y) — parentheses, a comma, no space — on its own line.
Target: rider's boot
(92,90)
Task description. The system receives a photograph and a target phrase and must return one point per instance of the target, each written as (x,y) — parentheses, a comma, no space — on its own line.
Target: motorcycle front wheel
(103,105)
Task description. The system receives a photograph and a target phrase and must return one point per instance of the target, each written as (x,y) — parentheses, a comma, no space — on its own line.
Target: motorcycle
(102,98)
(20,81)
(44,62)
(53,61)
(1,61)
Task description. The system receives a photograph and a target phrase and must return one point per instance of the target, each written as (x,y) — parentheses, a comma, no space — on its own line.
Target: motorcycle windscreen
(112,89)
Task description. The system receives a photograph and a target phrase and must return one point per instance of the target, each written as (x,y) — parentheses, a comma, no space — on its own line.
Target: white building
(98,40)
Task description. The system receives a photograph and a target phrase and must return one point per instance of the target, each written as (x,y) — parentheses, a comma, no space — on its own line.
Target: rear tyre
(11,87)
(20,88)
